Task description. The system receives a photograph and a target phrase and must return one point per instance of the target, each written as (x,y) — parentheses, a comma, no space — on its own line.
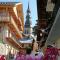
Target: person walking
(20,56)
(2,57)
(51,53)
(39,55)
(28,54)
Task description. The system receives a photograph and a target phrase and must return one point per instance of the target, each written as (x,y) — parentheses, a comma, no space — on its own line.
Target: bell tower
(28,23)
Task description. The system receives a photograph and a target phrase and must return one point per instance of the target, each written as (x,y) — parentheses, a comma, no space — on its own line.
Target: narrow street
(30,30)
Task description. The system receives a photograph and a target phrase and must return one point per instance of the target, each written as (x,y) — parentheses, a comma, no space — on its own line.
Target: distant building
(28,23)
(27,40)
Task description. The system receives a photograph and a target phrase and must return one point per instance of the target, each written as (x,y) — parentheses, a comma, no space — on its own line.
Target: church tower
(28,23)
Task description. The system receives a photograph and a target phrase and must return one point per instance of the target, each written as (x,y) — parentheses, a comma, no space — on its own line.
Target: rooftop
(8,3)
(26,40)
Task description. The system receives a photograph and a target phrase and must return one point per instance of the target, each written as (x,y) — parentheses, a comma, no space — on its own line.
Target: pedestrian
(36,57)
(51,53)
(59,54)
(2,57)
(39,55)
(28,54)
(20,56)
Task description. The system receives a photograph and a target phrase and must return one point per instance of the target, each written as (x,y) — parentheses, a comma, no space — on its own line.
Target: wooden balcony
(7,7)
(13,43)
(4,18)
(12,40)
(13,28)
(9,21)
(16,19)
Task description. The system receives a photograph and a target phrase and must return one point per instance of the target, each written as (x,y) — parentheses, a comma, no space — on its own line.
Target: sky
(33,8)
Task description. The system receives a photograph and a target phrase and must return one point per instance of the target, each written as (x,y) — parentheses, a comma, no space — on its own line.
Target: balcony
(13,28)
(4,18)
(16,19)
(12,40)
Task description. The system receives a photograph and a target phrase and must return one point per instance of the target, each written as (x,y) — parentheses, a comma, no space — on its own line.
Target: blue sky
(33,8)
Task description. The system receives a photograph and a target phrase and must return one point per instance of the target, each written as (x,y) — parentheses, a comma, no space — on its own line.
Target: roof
(26,40)
(8,3)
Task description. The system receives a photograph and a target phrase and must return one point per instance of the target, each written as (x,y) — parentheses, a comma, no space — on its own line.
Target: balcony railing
(4,18)
(13,37)
(15,26)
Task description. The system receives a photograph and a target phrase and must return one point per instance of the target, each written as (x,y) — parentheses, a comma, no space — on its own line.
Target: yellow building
(11,24)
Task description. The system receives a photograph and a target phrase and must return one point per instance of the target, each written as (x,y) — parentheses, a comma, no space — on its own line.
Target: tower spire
(28,23)
(28,10)
(28,5)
